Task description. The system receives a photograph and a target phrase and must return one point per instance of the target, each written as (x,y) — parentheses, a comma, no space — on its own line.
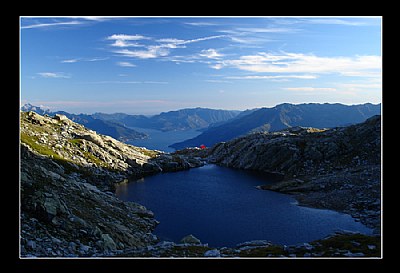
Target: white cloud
(125,37)
(162,49)
(201,24)
(123,40)
(171,40)
(70,61)
(52,24)
(217,66)
(94,59)
(204,39)
(122,43)
(53,75)
(125,64)
(150,53)
(93,18)
(285,62)
(179,43)
(210,53)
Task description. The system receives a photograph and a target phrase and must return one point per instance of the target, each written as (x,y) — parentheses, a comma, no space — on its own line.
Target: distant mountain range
(221,125)
(184,119)
(284,116)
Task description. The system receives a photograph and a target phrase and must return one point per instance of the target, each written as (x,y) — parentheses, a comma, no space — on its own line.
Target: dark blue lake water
(159,140)
(222,207)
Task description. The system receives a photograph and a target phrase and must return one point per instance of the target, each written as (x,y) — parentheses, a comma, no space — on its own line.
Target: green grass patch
(75,141)
(41,149)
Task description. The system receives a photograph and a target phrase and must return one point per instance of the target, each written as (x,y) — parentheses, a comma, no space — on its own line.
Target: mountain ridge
(283,116)
(182,119)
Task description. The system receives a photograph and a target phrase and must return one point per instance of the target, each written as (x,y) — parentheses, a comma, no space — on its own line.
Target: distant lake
(159,140)
(222,207)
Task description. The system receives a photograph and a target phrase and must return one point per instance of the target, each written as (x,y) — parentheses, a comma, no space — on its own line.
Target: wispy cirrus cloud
(344,21)
(94,59)
(286,62)
(255,36)
(201,24)
(124,40)
(54,75)
(69,61)
(125,64)
(32,22)
(54,24)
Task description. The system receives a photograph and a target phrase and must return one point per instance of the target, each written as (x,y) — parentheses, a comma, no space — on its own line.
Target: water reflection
(222,207)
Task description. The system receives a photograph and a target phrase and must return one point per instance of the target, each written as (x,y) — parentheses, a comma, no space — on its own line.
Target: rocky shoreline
(338,169)
(339,244)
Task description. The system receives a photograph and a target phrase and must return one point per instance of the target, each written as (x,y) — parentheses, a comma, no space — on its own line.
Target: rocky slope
(102,159)
(64,215)
(66,182)
(337,168)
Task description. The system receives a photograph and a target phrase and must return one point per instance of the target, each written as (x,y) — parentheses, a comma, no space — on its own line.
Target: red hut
(202,146)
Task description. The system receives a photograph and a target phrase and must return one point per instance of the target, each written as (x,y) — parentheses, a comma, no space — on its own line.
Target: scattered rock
(108,242)
(212,253)
(31,244)
(190,239)
(60,117)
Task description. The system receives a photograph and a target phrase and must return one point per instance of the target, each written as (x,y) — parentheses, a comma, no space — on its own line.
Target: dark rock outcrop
(63,215)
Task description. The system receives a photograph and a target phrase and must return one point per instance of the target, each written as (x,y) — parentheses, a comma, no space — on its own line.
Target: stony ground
(64,215)
(67,175)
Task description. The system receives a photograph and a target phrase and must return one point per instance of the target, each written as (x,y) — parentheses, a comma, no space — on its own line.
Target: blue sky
(147,65)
